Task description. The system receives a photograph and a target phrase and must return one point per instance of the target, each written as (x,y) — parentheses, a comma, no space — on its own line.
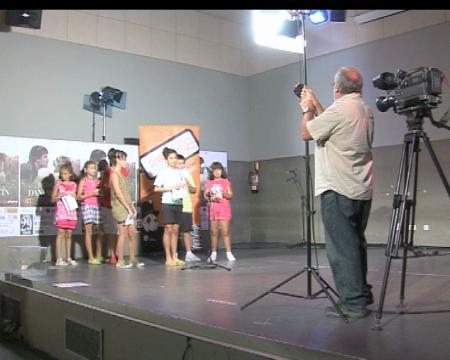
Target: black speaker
(338,15)
(24,18)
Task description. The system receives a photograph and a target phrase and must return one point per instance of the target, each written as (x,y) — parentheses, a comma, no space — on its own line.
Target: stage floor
(213,298)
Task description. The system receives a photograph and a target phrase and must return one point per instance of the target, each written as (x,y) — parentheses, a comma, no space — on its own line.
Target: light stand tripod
(401,228)
(308,269)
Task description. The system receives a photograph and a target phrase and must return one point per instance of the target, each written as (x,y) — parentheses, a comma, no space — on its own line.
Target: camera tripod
(401,228)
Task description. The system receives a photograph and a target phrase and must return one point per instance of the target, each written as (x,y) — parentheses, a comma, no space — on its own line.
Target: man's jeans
(345,221)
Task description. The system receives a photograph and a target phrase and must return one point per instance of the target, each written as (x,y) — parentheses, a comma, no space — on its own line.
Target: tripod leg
(383,294)
(272,289)
(426,140)
(325,288)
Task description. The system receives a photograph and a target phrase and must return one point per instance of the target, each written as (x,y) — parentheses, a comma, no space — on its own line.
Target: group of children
(107,207)
(176,185)
(106,204)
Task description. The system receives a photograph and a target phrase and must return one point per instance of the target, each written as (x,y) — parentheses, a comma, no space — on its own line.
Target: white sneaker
(230,256)
(213,255)
(71,262)
(137,263)
(123,265)
(61,262)
(190,256)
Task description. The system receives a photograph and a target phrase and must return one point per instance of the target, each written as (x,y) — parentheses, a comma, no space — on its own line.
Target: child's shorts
(91,214)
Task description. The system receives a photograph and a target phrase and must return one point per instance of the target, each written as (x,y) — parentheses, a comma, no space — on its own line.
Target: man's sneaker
(230,256)
(94,261)
(213,255)
(72,262)
(123,265)
(137,263)
(350,315)
(61,262)
(190,256)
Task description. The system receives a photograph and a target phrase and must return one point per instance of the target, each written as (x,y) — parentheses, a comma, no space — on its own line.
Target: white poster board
(28,170)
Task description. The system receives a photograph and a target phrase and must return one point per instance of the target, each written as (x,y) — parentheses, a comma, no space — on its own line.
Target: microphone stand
(296,181)
(210,264)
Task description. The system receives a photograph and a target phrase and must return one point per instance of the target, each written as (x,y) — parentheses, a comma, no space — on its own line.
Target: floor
(214,297)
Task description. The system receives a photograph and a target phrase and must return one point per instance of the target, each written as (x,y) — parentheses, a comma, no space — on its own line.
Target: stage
(160,312)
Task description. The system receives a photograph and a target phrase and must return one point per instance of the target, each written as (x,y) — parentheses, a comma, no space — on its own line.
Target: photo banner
(184,139)
(28,170)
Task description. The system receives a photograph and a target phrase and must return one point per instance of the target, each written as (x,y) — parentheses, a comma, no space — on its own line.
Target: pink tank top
(90,185)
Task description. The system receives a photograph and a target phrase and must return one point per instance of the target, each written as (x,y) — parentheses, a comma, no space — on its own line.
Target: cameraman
(343,133)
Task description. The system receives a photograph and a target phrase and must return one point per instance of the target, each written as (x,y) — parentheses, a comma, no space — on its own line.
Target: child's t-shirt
(167,178)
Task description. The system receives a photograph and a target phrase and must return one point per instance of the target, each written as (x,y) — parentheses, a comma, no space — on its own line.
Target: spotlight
(113,97)
(318,16)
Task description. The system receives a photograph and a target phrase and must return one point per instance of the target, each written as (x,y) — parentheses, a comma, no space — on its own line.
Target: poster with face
(29,169)
(9,171)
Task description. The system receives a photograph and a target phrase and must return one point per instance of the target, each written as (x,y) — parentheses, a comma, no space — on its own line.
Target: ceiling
(244,16)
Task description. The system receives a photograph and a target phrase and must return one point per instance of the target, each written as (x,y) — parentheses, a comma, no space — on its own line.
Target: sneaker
(213,255)
(230,256)
(94,261)
(101,259)
(123,265)
(350,315)
(113,260)
(171,263)
(190,256)
(72,262)
(61,262)
(137,263)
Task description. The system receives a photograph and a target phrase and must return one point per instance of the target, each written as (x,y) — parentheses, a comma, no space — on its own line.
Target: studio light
(318,16)
(274,29)
(102,102)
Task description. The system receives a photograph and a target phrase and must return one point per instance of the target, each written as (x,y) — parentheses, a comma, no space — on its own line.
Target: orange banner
(184,139)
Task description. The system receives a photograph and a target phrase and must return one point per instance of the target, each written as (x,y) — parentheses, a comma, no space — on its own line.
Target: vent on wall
(375,15)
(83,340)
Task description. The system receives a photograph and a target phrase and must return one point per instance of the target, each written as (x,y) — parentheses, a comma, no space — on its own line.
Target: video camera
(417,89)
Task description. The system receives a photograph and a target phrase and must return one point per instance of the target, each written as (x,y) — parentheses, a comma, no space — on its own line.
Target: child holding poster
(219,192)
(64,194)
(171,184)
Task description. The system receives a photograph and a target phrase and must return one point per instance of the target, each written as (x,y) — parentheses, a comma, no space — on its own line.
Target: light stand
(308,269)
(107,96)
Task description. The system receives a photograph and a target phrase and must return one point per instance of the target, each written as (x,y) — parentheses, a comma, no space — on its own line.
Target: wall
(44,82)
(276,211)
(274,137)
(274,114)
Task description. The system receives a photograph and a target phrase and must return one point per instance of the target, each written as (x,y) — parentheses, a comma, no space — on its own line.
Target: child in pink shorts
(219,192)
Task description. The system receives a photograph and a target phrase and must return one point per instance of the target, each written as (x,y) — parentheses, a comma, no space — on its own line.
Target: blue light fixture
(318,16)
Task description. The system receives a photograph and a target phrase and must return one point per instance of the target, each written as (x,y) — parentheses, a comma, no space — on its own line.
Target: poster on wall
(29,168)
(184,139)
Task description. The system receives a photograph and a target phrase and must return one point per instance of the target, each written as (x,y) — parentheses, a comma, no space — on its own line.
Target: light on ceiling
(318,16)
(268,31)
